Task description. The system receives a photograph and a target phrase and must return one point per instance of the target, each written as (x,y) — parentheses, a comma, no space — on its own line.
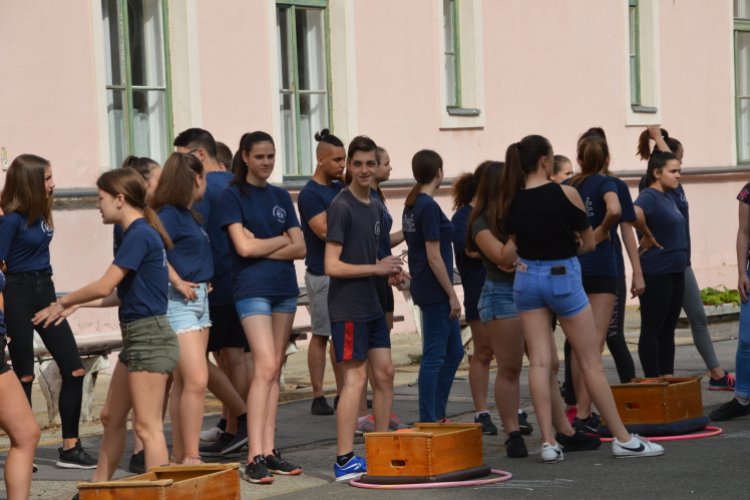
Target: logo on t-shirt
(589,207)
(408,223)
(377,229)
(47,229)
(205,234)
(164,258)
(279,213)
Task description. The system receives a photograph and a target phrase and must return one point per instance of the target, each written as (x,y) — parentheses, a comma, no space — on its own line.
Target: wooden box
(184,482)
(658,401)
(430,450)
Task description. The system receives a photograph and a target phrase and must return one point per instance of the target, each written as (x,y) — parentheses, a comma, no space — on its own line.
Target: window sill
(456,111)
(643,109)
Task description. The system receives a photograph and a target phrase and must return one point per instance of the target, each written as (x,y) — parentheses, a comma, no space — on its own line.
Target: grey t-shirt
(357,226)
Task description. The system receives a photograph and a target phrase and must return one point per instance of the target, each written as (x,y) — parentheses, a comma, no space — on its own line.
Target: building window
(635,56)
(304,101)
(452,53)
(742,77)
(137,79)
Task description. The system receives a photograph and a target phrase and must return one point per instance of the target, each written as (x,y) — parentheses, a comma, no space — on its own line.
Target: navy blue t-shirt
(191,254)
(2,316)
(628,215)
(384,247)
(216,182)
(314,199)
(143,291)
(266,212)
(426,222)
(667,224)
(117,236)
(600,262)
(472,271)
(678,195)
(25,249)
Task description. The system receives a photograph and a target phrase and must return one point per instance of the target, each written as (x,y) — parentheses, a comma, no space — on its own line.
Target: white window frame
(649,111)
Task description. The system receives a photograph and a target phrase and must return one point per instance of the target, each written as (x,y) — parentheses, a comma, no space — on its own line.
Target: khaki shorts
(317,292)
(149,345)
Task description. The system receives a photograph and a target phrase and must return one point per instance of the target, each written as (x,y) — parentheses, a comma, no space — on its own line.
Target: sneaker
(215,449)
(725,383)
(488,427)
(256,471)
(590,424)
(571,413)
(552,454)
(239,440)
(515,447)
(635,448)
(580,441)
(730,410)
(367,425)
(137,463)
(321,407)
(336,402)
(354,468)
(193,460)
(525,426)
(396,424)
(75,458)
(211,435)
(276,465)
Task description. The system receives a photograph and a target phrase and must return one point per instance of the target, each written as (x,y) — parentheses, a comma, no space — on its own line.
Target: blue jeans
(442,352)
(742,362)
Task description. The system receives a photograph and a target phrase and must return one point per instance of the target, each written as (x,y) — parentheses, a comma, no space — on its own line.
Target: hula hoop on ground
(504,476)
(713,431)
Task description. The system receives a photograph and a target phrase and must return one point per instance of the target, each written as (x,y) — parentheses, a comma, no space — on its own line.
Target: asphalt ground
(713,467)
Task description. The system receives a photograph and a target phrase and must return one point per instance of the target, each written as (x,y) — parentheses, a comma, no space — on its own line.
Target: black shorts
(352,341)
(599,284)
(226,329)
(385,293)
(4,366)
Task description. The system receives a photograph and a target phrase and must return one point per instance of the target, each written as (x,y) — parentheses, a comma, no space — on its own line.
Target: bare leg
(189,393)
(282,329)
(137,443)
(114,420)
(17,420)
(381,368)
(338,370)
(355,375)
(316,363)
(479,368)
(363,410)
(507,340)
(147,395)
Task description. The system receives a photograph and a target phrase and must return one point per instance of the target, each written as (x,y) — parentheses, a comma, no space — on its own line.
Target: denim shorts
(188,316)
(266,306)
(496,302)
(536,287)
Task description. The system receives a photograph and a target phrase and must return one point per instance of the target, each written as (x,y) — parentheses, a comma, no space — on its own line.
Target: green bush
(720,295)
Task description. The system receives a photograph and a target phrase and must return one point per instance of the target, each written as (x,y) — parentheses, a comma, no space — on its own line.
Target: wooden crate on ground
(430,450)
(658,401)
(183,482)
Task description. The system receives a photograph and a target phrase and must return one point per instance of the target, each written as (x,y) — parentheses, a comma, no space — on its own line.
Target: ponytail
(593,153)
(643,144)
(521,159)
(465,187)
(425,166)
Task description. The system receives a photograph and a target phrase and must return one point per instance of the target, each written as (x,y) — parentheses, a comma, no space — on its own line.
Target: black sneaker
(590,424)
(524,425)
(137,463)
(580,441)
(730,410)
(214,449)
(75,458)
(321,407)
(336,402)
(515,447)
(277,465)
(488,427)
(256,471)
(238,442)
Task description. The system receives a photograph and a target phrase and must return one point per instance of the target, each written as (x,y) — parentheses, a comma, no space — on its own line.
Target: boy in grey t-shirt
(358,327)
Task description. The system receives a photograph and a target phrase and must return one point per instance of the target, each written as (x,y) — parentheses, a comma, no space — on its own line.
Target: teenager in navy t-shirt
(265,240)
(26,232)
(313,202)
(150,171)
(663,268)
(182,184)
(429,234)
(358,327)
(136,282)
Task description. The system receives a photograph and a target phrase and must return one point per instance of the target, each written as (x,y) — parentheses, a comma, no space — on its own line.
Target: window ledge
(456,111)
(643,109)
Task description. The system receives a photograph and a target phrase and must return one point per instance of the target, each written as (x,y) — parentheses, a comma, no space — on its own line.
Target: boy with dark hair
(224,156)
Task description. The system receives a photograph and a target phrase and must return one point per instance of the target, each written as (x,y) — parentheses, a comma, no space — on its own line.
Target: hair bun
(664,134)
(319,135)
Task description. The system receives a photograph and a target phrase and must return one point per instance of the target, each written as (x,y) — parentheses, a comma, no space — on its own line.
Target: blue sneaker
(354,468)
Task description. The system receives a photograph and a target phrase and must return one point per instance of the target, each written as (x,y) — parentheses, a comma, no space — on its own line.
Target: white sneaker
(552,454)
(636,447)
(211,435)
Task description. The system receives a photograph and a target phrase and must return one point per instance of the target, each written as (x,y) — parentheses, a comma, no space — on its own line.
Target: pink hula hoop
(713,431)
(504,476)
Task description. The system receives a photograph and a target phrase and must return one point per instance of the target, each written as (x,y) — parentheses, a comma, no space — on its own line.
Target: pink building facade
(86,82)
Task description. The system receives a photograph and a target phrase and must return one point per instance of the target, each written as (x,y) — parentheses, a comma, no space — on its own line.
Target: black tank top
(543,220)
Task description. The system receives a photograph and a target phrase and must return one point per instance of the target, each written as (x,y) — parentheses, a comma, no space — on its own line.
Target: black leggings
(660,309)
(25,295)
